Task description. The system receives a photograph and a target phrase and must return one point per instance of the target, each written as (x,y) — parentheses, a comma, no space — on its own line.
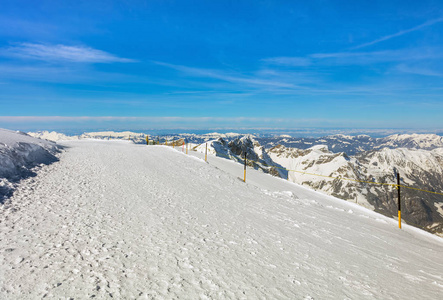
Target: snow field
(149,222)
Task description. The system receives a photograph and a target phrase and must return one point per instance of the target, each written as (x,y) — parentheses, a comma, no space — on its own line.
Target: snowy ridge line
(394,185)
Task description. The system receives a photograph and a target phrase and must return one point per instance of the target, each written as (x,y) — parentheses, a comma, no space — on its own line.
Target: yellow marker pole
(399,202)
(206,153)
(186,148)
(129,138)
(147,140)
(244,171)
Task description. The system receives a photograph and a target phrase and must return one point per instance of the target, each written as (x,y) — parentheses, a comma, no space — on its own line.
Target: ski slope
(115,219)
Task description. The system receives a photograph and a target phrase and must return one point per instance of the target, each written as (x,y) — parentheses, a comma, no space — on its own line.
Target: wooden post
(244,172)
(186,148)
(147,140)
(399,202)
(206,153)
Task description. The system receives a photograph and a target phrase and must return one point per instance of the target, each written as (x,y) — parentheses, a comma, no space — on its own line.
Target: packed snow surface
(117,219)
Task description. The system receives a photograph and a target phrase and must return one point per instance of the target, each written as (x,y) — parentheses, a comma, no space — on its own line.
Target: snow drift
(19,154)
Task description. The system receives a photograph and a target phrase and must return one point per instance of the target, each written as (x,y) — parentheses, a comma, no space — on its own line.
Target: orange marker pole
(399,202)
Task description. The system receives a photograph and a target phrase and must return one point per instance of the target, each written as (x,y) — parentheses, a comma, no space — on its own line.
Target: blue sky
(221,64)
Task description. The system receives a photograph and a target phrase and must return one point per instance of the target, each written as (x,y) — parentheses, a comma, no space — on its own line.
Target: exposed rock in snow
(257,157)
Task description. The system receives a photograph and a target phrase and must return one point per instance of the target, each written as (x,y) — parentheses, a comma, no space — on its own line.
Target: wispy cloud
(224,76)
(400,33)
(371,57)
(61,53)
(418,70)
(288,61)
(363,58)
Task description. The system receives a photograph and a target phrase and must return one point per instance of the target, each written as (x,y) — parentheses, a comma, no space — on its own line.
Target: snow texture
(115,219)
(19,154)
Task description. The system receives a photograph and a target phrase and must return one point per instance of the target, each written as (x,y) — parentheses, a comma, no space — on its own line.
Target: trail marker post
(244,171)
(206,153)
(147,140)
(398,199)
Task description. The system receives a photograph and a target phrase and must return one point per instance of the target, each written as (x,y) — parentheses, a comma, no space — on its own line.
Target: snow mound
(19,153)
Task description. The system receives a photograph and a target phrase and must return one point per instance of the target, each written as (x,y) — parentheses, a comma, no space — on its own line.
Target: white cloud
(233,78)
(361,58)
(400,33)
(61,53)
(418,70)
(288,61)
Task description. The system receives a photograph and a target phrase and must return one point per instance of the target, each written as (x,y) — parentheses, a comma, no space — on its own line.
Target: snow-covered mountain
(319,160)
(354,144)
(256,155)
(418,168)
(52,136)
(19,154)
(411,141)
(111,135)
(336,143)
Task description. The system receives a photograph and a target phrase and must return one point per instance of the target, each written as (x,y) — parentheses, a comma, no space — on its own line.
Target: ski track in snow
(124,221)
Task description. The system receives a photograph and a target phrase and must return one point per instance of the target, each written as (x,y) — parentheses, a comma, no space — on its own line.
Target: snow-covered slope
(114,219)
(19,153)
